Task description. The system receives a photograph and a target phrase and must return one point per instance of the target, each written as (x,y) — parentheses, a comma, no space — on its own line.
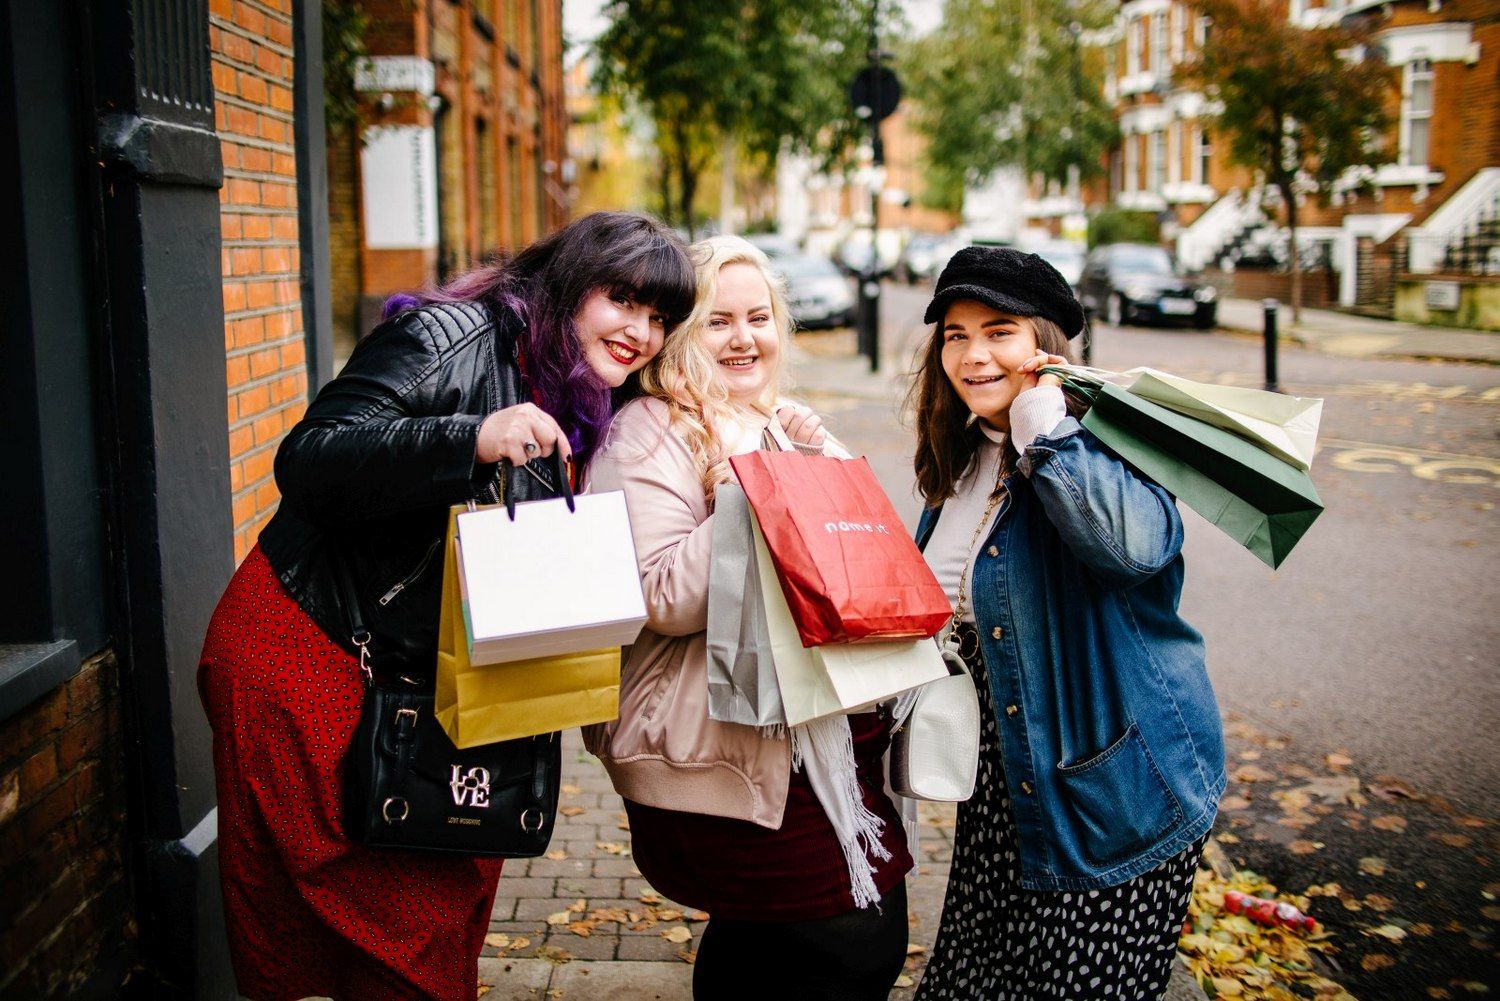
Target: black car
(1138,283)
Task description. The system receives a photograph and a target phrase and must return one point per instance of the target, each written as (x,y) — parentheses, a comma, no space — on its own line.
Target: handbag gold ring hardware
(541,819)
(385,809)
(411,713)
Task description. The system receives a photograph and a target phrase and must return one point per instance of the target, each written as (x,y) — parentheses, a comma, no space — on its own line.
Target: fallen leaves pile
(1232,957)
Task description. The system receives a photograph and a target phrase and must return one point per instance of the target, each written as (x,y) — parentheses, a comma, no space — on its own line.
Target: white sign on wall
(399,171)
(395,73)
(1441,295)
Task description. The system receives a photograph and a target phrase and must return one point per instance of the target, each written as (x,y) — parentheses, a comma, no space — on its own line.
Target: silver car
(819,294)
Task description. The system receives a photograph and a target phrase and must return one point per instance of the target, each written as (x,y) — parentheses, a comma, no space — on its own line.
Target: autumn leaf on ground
(559,918)
(570,790)
(1452,840)
(1301,847)
(1389,822)
(1379,902)
(1234,803)
(554,955)
(519,943)
(688,956)
(678,935)
(483,990)
(1338,759)
(1372,865)
(1253,773)
(915,949)
(666,914)
(1377,961)
(557,855)
(1389,787)
(904,981)
(697,916)
(583,929)
(497,940)
(612,847)
(571,811)
(578,906)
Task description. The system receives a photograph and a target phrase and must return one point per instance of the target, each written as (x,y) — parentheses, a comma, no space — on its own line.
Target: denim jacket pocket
(1120,803)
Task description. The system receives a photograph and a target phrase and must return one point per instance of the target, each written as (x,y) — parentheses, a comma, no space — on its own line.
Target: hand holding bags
(847,567)
(537,600)
(1235,481)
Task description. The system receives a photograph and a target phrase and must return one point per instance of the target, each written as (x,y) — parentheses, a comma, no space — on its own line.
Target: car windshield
(1060,256)
(1141,260)
(806,267)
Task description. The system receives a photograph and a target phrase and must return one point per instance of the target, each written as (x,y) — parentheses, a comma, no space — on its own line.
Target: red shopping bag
(848,569)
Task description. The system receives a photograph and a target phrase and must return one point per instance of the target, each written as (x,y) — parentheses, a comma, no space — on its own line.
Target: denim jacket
(1109,731)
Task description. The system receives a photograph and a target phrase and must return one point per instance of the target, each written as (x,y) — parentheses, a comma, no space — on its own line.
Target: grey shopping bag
(741,673)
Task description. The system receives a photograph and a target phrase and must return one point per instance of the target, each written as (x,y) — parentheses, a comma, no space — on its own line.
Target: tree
(721,78)
(1298,104)
(1010,83)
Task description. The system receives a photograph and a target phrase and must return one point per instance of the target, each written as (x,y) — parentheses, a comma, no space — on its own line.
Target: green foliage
(1291,104)
(344,24)
(766,73)
(1123,226)
(1009,83)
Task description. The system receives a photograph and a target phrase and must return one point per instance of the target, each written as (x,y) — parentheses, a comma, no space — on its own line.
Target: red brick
(236,371)
(267,494)
(244,508)
(247,17)
(284,164)
(276,259)
(278,326)
(253,401)
(234,297)
(256,159)
(267,428)
(243,191)
(281,98)
(261,294)
(263,363)
(38,772)
(79,742)
(259,465)
(21,734)
(257,227)
(285,227)
(225,79)
(276,195)
(242,121)
(230,225)
(241,440)
(221,8)
(245,260)
(250,330)
(292,354)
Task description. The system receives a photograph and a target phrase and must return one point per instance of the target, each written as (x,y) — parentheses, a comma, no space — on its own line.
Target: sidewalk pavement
(1353,336)
(582,925)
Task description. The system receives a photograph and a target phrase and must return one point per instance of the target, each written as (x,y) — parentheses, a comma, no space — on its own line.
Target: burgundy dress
(740,871)
(308,911)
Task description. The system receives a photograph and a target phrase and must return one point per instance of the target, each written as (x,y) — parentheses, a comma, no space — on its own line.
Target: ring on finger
(531,448)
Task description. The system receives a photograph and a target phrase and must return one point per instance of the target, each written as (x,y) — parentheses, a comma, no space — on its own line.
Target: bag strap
(777,435)
(562,485)
(358,634)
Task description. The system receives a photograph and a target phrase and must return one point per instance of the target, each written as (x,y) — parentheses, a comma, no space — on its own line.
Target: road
(1370,657)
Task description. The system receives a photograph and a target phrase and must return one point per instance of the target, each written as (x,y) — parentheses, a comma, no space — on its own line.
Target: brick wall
(64,912)
(265,357)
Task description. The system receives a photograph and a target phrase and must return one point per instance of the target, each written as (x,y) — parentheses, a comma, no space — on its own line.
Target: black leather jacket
(368,476)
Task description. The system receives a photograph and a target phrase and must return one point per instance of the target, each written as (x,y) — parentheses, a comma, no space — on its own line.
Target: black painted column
(163,320)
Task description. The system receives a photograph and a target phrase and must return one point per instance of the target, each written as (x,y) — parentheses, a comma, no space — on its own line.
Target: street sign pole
(874,95)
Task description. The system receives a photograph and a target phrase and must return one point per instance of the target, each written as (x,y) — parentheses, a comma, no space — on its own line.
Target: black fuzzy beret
(1010,281)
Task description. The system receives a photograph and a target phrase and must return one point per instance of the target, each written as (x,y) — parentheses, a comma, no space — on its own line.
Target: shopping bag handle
(559,471)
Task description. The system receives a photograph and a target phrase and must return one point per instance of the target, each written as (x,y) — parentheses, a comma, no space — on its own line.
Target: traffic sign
(876,90)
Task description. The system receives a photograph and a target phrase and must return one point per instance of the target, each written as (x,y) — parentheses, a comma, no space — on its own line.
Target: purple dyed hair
(546,284)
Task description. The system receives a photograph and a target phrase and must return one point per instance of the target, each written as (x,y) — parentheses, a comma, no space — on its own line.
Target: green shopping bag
(1256,499)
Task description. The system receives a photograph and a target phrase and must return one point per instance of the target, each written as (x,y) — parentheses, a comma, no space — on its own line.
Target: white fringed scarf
(824,751)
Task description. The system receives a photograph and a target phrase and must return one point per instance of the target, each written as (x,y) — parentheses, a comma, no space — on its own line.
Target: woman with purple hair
(508,363)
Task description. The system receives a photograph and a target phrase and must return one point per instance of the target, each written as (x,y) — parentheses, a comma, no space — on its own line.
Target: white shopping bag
(836,678)
(553,581)
(1285,426)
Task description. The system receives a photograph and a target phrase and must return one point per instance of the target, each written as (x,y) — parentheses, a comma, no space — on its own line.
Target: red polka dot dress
(309,912)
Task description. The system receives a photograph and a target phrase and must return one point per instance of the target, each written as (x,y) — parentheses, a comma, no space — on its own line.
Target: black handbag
(407,786)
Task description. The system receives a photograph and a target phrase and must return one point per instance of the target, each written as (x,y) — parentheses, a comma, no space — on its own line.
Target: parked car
(924,256)
(853,253)
(1064,255)
(1138,283)
(819,294)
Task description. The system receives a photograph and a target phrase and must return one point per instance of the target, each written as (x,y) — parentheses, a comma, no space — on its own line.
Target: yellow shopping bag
(488,703)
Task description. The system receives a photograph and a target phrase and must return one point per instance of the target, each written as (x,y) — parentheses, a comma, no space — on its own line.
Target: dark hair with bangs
(546,284)
(948,436)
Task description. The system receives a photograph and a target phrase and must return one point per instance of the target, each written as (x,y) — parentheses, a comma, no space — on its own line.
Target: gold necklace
(996,496)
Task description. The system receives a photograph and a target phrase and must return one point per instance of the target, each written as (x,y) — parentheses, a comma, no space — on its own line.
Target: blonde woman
(796,864)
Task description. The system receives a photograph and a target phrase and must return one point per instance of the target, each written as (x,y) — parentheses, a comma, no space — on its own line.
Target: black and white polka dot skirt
(999,942)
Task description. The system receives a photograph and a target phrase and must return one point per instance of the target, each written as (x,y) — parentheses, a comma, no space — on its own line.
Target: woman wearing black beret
(1101,752)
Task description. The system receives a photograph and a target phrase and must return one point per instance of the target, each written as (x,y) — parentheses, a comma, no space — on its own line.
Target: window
(1133,47)
(1156,162)
(1205,156)
(1159,44)
(1416,112)
(1200,30)
(1179,32)
(1174,152)
(1132,162)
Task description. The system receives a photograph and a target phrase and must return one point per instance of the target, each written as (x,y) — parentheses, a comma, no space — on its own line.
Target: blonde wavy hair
(685,375)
